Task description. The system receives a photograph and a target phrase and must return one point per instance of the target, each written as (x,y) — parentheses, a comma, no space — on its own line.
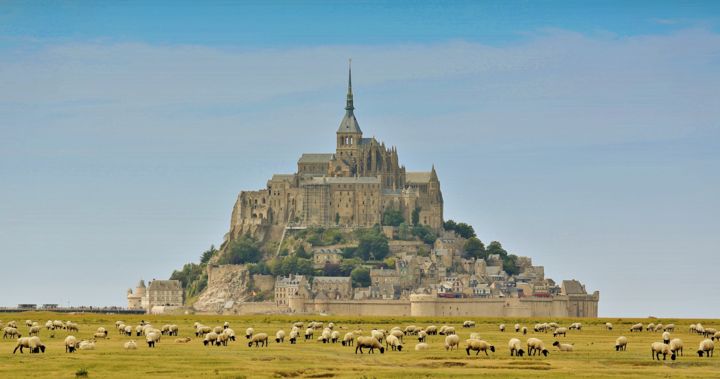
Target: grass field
(594,354)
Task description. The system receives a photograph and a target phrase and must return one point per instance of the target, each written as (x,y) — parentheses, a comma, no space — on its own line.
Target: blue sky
(582,134)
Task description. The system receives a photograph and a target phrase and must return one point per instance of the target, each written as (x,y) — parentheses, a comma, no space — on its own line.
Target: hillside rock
(227,285)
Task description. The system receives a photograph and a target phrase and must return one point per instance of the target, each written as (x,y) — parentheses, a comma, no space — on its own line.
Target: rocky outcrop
(227,286)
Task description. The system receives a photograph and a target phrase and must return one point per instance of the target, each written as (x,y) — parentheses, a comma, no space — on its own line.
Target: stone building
(290,286)
(323,256)
(158,293)
(332,287)
(351,187)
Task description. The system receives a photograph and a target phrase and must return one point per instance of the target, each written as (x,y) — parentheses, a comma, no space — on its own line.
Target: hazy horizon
(586,137)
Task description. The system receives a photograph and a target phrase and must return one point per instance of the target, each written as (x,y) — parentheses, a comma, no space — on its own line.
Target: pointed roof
(349,123)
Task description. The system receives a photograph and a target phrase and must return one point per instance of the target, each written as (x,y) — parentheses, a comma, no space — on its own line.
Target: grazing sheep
(431,330)
(226,325)
(715,336)
(422,336)
(636,328)
(658,327)
(331,325)
(293,336)
(202,330)
(676,346)
(218,329)
(658,348)
(621,343)
(11,332)
(608,326)
(230,334)
(259,339)
(563,346)
(28,323)
(12,324)
(693,328)
(450,330)
(280,336)
(377,334)
(666,337)
(478,346)
(71,327)
(368,342)
(309,333)
(99,335)
(706,347)
(152,338)
(575,326)
(249,333)
(452,342)
(560,331)
(393,342)
(130,345)
(524,330)
(709,332)
(334,336)
(34,331)
(222,339)
(515,347)
(86,345)
(468,324)
(210,339)
(411,330)
(536,347)
(502,327)
(138,331)
(128,330)
(397,333)
(182,340)
(348,339)
(48,325)
(517,328)
(553,325)
(31,343)
(650,327)
(298,324)
(669,328)
(70,344)
(421,346)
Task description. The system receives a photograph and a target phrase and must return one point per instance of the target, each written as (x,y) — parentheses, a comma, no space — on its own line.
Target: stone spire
(349,104)
(349,123)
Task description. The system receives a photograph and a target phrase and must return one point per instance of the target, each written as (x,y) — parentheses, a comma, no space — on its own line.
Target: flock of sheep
(376,339)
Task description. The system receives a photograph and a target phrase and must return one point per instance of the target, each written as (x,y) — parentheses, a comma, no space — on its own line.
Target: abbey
(351,187)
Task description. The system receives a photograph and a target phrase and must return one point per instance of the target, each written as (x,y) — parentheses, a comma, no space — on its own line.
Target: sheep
(709,332)
(331,325)
(706,347)
(118,323)
(86,345)
(536,346)
(515,347)
(70,344)
(348,339)
(210,339)
(71,327)
(99,335)
(452,341)
(10,332)
(636,328)
(676,345)
(49,325)
(182,340)
(657,348)
(517,328)
(31,343)
(230,334)
(621,343)
(393,342)
(28,323)
(524,330)
(553,325)
(293,336)
(715,336)
(280,336)
(222,339)
(249,333)
(226,325)
(666,337)
(377,334)
(563,346)
(693,328)
(334,336)
(576,326)
(560,331)
(309,333)
(468,324)
(450,330)
(130,345)
(12,324)
(608,326)
(411,330)
(422,336)
(397,334)
(650,327)
(259,339)
(218,329)
(368,342)
(541,328)
(57,324)
(202,330)
(431,330)
(34,331)
(152,338)
(669,328)
(138,331)
(128,330)
(502,327)
(324,336)
(421,346)
(298,325)
(658,327)
(478,346)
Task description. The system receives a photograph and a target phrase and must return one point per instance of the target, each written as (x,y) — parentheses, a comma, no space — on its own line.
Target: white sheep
(468,324)
(650,327)
(34,331)
(293,336)
(130,345)
(249,333)
(210,339)
(348,339)
(560,331)
(183,340)
(621,343)
(86,345)
(669,328)
(218,329)
(280,336)
(524,330)
(334,336)
(575,326)
(393,342)
(70,344)
(152,338)
(128,330)
(31,343)
(226,325)
(706,347)
(658,327)
(421,346)
(230,333)
(502,327)
(636,327)
(222,339)
(478,346)
(422,336)
(666,337)
(259,339)
(515,347)
(563,346)
(715,336)
(431,330)
(657,348)
(368,342)
(676,346)
(11,332)
(452,342)
(608,326)
(377,334)
(535,347)
(309,333)
(517,328)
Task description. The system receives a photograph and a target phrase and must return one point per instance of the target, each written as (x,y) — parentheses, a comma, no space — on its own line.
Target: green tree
(464,230)
(348,265)
(332,269)
(360,277)
(404,233)
(301,253)
(392,217)
(510,265)
(449,225)
(424,233)
(243,250)
(207,254)
(372,244)
(474,248)
(416,216)
(496,248)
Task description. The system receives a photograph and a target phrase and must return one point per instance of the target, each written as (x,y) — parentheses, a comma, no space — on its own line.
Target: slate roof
(316,158)
(418,177)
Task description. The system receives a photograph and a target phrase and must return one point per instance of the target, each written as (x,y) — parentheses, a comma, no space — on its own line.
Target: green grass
(594,354)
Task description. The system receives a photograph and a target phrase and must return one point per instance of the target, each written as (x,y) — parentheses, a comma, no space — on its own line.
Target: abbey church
(351,187)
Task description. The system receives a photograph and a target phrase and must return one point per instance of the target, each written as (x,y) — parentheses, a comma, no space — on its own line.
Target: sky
(585,135)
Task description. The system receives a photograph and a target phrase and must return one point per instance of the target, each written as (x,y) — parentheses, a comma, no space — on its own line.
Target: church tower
(349,135)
